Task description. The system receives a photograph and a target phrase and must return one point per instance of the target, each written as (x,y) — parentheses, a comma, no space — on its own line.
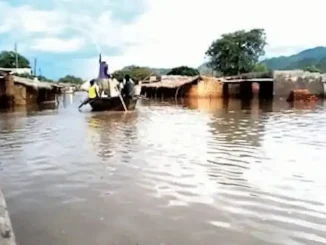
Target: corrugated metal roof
(34,83)
(172,81)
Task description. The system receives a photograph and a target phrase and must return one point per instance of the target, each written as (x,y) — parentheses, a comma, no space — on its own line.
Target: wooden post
(266,90)
(246,90)
(225,90)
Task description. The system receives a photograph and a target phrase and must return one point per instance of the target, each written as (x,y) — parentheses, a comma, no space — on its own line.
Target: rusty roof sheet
(34,84)
(171,81)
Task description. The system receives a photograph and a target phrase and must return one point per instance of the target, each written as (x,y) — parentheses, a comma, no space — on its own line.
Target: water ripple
(166,174)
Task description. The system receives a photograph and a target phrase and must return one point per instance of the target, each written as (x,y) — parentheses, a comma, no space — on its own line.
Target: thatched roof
(172,81)
(34,83)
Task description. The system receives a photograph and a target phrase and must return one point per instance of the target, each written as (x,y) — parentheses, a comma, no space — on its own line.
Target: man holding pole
(92,94)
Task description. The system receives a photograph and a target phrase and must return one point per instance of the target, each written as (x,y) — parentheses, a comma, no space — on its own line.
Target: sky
(66,36)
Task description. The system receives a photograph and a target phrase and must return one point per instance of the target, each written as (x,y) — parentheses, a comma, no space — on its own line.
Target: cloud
(158,33)
(28,20)
(178,32)
(53,44)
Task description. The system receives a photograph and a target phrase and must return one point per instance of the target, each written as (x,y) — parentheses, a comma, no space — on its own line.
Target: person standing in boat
(92,94)
(128,86)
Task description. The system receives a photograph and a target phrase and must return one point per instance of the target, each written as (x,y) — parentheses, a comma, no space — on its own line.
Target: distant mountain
(314,58)
(204,69)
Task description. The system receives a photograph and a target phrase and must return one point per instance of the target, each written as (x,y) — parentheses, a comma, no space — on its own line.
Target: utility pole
(16,57)
(35,63)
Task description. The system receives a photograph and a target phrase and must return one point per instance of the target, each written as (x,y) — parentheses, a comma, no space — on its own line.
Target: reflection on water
(68,99)
(193,173)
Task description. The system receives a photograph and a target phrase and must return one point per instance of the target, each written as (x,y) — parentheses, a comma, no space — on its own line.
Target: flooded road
(206,173)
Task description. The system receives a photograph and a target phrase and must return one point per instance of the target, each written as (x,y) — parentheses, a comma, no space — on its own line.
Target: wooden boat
(113,104)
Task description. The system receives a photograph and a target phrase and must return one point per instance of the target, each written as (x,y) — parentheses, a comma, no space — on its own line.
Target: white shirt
(114,84)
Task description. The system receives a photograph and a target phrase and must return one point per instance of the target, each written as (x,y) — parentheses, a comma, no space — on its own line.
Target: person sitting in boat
(92,94)
(128,86)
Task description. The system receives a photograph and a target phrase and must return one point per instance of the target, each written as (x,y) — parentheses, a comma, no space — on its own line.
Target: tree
(237,52)
(136,73)
(8,60)
(259,67)
(184,71)
(312,68)
(71,79)
(43,78)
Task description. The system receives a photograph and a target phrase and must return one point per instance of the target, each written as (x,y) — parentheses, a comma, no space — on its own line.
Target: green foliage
(44,79)
(136,73)
(237,52)
(260,68)
(71,79)
(313,60)
(8,60)
(312,68)
(184,71)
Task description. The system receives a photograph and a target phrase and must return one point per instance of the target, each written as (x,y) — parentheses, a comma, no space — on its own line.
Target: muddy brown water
(208,172)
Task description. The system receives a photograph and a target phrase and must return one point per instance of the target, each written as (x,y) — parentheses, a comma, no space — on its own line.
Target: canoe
(113,104)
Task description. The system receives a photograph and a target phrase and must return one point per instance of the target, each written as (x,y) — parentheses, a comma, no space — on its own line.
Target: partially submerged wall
(20,95)
(286,81)
(2,86)
(184,87)
(6,90)
(207,87)
(7,236)
(25,95)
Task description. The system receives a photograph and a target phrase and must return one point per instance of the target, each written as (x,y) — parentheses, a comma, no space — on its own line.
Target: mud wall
(285,81)
(25,95)
(6,91)
(29,96)
(207,87)
(20,95)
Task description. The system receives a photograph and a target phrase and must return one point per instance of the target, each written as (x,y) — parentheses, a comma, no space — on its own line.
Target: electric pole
(16,55)
(35,63)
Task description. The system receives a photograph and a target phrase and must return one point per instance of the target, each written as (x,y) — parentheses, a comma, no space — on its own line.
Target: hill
(309,59)
(313,59)
(204,69)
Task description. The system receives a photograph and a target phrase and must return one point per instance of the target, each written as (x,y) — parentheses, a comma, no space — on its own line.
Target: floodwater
(202,173)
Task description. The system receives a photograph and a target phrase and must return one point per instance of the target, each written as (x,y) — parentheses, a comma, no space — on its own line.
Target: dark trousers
(85,102)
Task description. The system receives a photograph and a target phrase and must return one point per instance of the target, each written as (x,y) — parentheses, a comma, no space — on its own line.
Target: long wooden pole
(122,102)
